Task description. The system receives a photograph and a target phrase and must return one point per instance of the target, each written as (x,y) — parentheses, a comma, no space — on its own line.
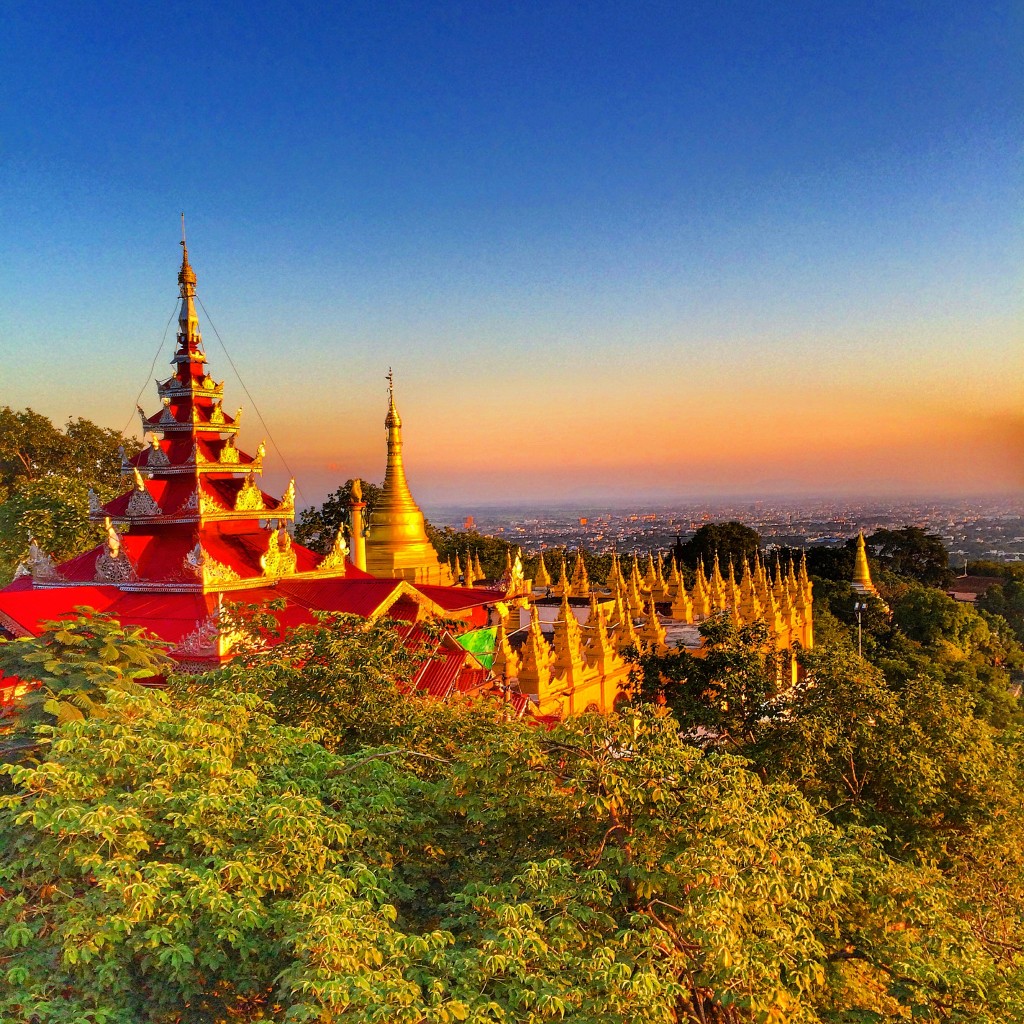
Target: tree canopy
(492,551)
(45,476)
(912,552)
(294,838)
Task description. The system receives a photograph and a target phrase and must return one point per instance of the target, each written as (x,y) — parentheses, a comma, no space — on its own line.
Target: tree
(1006,600)
(53,510)
(493,552)
(193,859)
(340,678)
(722,698)
(318,525)
(912,552)
(70,669)
(731,540)
(45,477)
(825,561)
(31,447)
(199,862)
(913,759)
(928,615)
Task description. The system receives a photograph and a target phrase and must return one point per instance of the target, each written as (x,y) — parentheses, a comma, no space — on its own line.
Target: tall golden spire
(535,659)
(397,545)
(396,489)
(541,577)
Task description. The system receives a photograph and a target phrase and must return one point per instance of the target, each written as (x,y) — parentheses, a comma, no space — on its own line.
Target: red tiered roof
(196,528)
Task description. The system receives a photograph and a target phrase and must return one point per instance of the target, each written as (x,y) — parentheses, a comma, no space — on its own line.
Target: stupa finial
(393,421)
(188,322)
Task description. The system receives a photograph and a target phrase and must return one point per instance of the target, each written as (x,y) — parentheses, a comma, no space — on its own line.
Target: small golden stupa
(861,571)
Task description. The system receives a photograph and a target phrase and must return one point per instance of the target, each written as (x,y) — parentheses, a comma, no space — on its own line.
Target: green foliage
(293,838)
(178,864)
(913,553)
(927,615)
(824,561)
(339,678)
(976,652)
(493,551)
(729,540)
(74,664)
(198,861)
(317,526)
(722,698)
(53,510)
(31,447)
(913,759)
(1006,600)
(1004,570)
(45,476)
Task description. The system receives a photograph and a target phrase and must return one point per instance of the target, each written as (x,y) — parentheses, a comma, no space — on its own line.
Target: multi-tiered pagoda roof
(196,527)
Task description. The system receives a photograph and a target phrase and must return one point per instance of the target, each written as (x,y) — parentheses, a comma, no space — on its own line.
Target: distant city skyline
(971,529)
(652,253)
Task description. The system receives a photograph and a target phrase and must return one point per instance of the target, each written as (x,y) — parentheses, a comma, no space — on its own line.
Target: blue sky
(572,212)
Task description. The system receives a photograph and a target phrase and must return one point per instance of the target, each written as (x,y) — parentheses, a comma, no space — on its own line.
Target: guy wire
(152,367)
(251,399)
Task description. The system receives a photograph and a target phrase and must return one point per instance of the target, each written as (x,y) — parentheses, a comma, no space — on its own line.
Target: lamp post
(860,607)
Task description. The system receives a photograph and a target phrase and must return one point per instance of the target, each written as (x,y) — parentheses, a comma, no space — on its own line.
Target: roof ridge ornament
(335,559)
(156,457)
(142,503)
(112,563)
(280,559)
(250,496)
(208,570)
(37,564)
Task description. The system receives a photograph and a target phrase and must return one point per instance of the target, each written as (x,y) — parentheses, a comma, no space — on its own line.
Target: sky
(611,251)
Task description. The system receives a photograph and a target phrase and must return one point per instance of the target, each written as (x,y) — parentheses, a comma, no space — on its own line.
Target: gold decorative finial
(186,277)
(392,419)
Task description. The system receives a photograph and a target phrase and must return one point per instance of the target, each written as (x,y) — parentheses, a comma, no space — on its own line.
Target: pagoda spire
(397,545)
(541,577)
(195,510)
(188,320)
(396,489)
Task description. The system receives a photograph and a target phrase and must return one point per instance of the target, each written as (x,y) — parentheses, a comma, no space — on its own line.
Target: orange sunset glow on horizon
(670,421)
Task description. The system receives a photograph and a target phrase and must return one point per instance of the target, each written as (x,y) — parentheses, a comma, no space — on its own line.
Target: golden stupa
(397,545)
(861,571)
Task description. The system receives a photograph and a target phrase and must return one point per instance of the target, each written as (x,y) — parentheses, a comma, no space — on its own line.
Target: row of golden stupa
(581,666)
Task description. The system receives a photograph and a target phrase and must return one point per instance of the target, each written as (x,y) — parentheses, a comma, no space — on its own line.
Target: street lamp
(860,607)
